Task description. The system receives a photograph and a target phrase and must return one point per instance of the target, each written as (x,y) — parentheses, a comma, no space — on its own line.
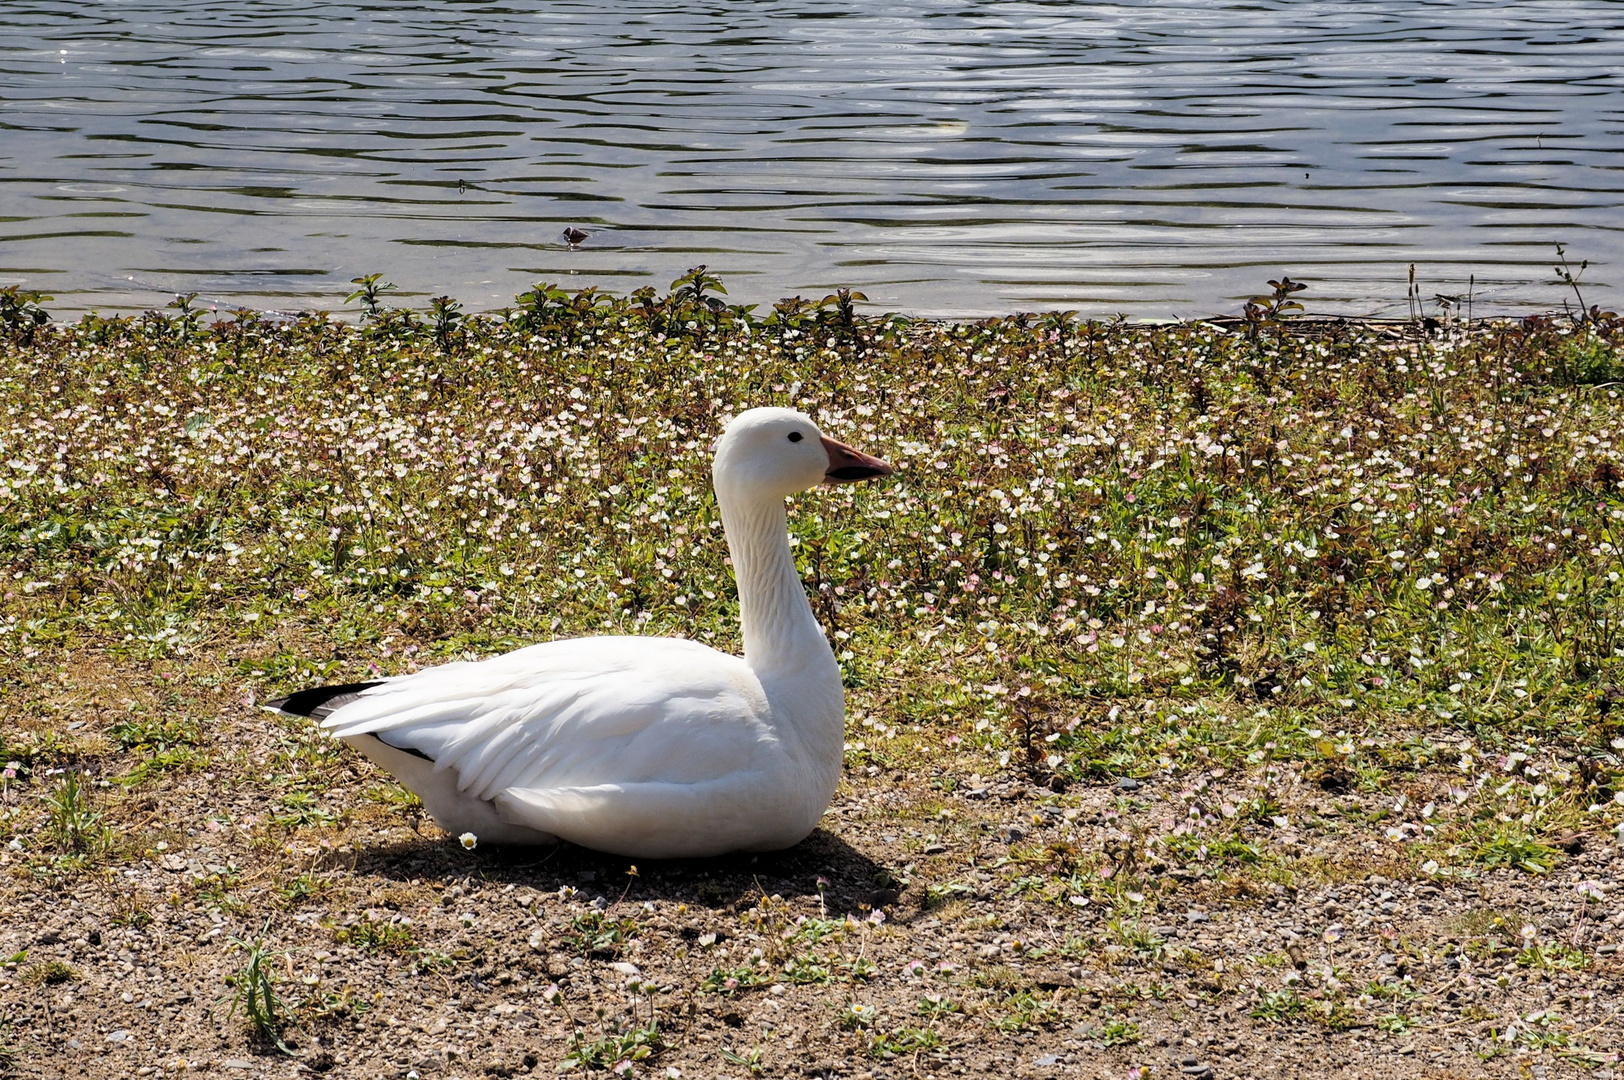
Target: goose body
(641,746)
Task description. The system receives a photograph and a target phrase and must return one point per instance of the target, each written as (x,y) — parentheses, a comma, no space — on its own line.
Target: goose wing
(585,712)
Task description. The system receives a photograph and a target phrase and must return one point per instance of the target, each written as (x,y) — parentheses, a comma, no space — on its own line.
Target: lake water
(1149,158)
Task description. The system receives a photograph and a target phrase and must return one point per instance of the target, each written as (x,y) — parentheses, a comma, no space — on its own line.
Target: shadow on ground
(850,881)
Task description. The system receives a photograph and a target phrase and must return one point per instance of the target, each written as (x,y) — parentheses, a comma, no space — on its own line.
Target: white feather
(653,747)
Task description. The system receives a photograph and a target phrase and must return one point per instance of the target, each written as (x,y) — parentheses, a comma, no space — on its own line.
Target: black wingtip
(319,701)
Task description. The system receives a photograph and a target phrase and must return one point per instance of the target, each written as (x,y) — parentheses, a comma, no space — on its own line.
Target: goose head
(770,454)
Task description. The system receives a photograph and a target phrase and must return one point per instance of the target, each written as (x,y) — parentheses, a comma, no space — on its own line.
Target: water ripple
(1146,157)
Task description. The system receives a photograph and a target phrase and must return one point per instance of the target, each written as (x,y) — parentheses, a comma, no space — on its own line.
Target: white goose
(643,746)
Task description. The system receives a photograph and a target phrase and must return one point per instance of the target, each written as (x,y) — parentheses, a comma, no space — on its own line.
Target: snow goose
(644,746)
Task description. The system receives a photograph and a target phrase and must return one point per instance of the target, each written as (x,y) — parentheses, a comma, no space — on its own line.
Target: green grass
(1294,582)
(1278,1006)
(596,934)
(732,980)
(637,1043)
(254,992)
(367,933)
(1118,1033)
(1108,550)
(73,824)
(904,1041)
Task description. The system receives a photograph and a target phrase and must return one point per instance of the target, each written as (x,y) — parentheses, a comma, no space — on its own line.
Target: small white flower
(469,840)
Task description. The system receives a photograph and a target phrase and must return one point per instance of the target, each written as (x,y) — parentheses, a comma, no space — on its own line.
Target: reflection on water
(1144,157)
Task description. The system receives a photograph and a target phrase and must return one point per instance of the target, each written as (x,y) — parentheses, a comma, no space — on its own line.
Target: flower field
(1157,629)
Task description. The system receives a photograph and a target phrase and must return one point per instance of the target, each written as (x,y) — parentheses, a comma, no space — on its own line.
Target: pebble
(118,1036)
(1047,1060)
(1127,783)
(237,1063)
(1192,1067)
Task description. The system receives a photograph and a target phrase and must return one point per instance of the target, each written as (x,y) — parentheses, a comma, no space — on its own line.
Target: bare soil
(963,948)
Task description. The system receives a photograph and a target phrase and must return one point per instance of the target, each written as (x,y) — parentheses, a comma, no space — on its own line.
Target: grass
(367,933)
(51,973)
(635,1044)
(73,824)
(596,934)
(1343,601)
(1263,544)
(903,1042)
(254,992)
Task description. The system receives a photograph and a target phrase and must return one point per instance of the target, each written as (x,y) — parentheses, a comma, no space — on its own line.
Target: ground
(1223,700)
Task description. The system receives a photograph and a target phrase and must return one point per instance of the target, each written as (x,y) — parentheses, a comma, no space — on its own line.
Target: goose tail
(318,702)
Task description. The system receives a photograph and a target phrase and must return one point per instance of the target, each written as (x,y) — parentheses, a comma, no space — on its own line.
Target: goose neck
(780,633)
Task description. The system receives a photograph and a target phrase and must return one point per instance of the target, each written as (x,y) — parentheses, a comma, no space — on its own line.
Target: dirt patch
(937,925)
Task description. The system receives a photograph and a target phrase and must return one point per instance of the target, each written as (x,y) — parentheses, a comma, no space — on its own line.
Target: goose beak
(847,466)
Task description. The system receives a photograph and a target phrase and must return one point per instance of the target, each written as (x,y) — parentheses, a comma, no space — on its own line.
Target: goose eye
(795,436)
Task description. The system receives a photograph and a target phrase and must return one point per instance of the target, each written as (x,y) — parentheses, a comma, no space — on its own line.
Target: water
(946,158)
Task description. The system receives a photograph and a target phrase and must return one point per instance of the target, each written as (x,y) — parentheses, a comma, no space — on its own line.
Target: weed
(1395,1023)
(179,758)
(1278,1006)
(1395,990)
(445,319)
(9,1052)
(1024,1011)
(393,796)
(749,1060)
(1554,956)
(129,911)
(859,969)
(1118,1033)
(902,1041)
(1134,936)
(856,1017)
(612,1050)
(367,933)
(51,973)
(1277,305)
(21,313)
(731,980)
(1512,844)
(73,824)
(806,969)
(372,288)
(301,887)
(253,990)
(301,809)
(144,735)
(596,934)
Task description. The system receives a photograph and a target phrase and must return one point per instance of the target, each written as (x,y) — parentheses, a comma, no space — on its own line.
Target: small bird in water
(575,237)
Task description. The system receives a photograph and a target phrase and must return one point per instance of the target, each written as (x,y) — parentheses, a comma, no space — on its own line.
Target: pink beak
(847,466)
